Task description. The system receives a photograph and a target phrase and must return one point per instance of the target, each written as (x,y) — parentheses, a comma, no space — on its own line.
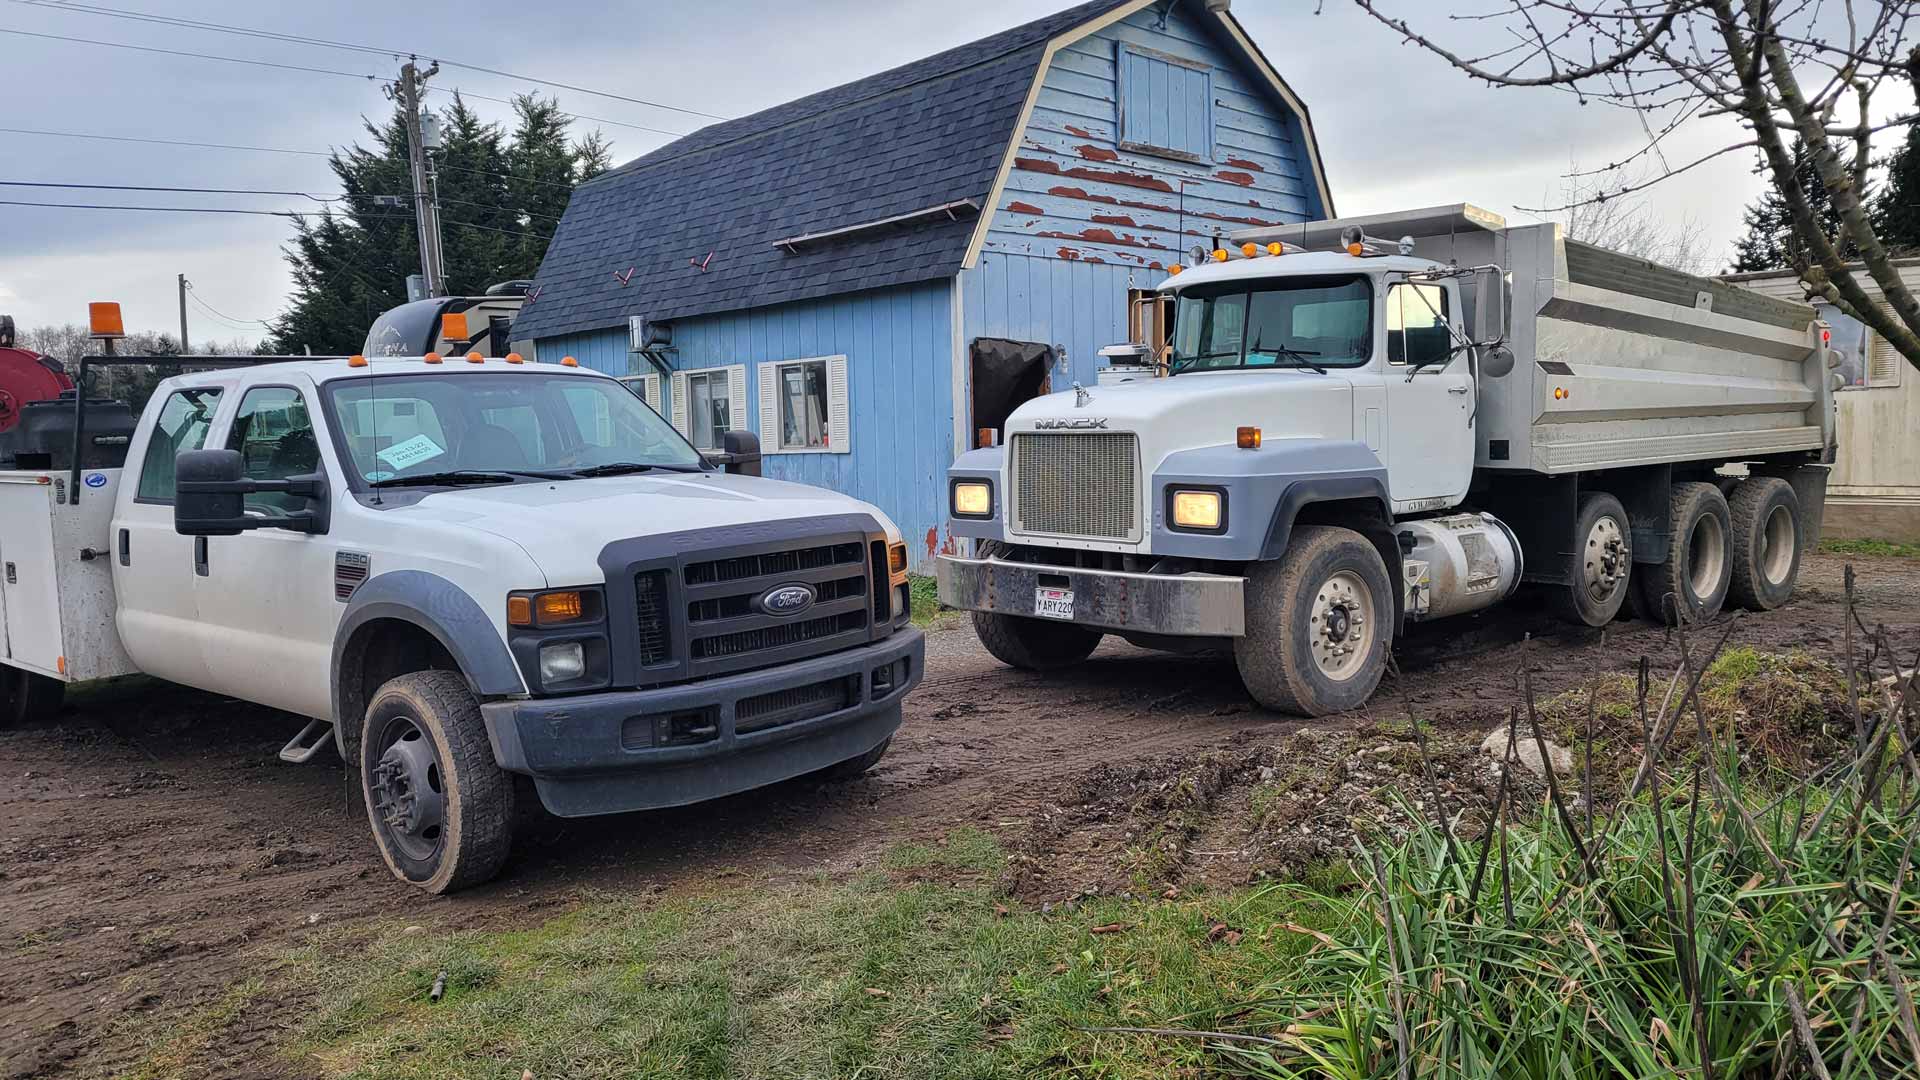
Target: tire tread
(480,793)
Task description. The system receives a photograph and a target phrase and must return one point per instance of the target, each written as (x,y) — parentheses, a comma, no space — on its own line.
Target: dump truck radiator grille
(1080,484)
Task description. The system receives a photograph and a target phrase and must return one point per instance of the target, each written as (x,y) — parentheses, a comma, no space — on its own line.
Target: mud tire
(1575,601)
(478,798)
(1277,658)
(1027,643)
(28,698)
(1691,585)
(854,767)
(1766,542)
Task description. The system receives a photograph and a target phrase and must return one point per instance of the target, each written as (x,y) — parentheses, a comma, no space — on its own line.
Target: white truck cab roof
(1240,268)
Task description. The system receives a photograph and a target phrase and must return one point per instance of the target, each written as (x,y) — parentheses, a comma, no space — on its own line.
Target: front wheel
(1602,563)
(1319,622)
(854,767)
(440,807)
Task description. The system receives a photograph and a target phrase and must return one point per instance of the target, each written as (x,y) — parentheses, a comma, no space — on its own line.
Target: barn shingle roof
(922,135)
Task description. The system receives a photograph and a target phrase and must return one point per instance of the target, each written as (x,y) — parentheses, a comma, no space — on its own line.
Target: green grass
(927,612)
(1877,548)
(876,976)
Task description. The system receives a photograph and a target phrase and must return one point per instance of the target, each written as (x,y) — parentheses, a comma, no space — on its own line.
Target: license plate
(1053,603)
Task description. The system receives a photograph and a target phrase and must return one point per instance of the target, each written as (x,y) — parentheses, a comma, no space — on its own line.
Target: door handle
(200,555)
(126,548)
(1456,389)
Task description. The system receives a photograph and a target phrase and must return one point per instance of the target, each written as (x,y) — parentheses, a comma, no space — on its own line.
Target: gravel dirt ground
(154,853)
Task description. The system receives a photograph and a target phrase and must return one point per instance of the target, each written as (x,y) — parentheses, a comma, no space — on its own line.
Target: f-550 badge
(1057,423)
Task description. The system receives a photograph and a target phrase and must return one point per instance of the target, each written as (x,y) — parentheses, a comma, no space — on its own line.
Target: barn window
(1165,104)
(709,402)
(803,406)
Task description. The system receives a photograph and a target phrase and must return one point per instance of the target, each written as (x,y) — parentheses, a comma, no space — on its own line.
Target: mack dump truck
(1370,422)
(461,569)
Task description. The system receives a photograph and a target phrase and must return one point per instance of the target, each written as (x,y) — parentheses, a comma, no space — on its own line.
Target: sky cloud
(1397,127)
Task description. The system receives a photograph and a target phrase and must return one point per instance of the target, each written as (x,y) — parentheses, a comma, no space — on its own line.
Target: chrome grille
(1078,484)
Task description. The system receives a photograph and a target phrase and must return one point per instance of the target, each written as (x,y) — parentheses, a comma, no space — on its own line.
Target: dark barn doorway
(1006,374)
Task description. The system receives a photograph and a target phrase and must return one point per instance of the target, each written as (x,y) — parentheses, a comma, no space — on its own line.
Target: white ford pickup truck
(463,569)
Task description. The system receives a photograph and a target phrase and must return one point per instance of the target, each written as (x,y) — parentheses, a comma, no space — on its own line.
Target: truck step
(302,747)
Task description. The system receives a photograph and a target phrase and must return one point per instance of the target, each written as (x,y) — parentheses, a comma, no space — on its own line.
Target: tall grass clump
(1710,925)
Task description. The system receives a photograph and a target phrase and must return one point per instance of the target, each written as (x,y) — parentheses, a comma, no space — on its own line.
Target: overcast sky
(1397,127)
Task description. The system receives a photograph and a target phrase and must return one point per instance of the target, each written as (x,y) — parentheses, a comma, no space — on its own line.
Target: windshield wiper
(612,468)
(458,476)
(1298,356)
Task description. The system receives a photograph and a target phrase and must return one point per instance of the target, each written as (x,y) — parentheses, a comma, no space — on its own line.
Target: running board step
(302,747)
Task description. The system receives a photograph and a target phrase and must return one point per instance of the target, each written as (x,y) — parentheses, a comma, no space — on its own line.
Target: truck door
(1429,445)
(153,566)
(266,601)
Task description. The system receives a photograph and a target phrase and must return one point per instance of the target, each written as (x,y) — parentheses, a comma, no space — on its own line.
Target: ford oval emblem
(96,480)
(787,599)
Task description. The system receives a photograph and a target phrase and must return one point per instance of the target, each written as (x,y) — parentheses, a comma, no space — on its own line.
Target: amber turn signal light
(558,607)
(1247,438)
(519,611)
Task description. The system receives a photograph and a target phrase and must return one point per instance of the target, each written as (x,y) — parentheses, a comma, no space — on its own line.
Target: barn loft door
(1006,374)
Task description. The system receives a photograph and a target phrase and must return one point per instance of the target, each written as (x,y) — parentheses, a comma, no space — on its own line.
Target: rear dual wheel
(1765,516)
(1691,585)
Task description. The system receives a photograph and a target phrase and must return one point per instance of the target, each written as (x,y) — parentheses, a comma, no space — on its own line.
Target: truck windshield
(1311,322)
(512,426)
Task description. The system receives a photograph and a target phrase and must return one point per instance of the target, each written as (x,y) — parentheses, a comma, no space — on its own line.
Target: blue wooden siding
(1074,194)
(1074,306)
(899,386)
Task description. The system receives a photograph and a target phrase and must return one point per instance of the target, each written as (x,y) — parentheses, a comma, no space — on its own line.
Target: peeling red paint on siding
(1018,207)
(1106,236)
(1124,179)
(933,541)
(1115,219)
(1096,153)
(949,548)
(1243,163)
(1096,259)
(1155,265)
(1071,254)
(1243,179)
(1079,132)
(1081,194)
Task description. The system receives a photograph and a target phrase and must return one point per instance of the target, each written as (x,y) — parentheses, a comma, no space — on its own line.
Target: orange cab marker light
(1219,254)
(1247,438)
(515,358)
(1174,269)
(519,611)
(1276,248)
(475,358)
(1354,249)
(568,361)
(356,360)
(1249,249)
(103,320)
(432,358)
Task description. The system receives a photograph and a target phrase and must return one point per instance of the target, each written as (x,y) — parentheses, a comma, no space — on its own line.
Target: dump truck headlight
(1203,511)
(972,498)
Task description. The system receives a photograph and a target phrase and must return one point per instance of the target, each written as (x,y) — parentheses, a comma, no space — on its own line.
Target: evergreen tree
(1769,243)
(1896,213)
(500,198)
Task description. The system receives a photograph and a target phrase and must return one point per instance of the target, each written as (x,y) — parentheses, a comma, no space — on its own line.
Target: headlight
(562,663)
(1203,510)
(972,498)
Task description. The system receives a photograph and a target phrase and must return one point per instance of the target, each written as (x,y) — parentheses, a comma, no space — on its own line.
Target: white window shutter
(769,408)
(839,428)
(737,397)
(679,403)
(650,391)
(1883,362)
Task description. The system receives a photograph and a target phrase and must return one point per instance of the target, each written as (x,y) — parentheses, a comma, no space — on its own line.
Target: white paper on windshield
(405,455)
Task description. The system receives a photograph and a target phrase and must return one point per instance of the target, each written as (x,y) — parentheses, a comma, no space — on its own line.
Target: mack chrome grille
(1077,484)
(792,706)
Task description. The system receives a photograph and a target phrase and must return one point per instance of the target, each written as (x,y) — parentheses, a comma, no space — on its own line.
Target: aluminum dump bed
(1619,361)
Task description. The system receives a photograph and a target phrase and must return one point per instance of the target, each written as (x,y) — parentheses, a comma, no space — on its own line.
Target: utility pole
(183,316)
(426,207)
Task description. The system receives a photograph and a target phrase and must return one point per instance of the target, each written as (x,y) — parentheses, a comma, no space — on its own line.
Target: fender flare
(440,608)
(1305,492)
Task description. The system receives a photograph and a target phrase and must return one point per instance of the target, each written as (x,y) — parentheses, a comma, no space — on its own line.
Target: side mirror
(739,453)
(1496,362)
(210,496)
(1490,305)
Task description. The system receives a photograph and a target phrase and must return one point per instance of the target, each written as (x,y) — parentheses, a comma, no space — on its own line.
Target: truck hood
(1201,409)
(564,524)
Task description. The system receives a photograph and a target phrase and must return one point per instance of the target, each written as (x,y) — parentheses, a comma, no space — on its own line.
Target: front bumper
(604,753)
(1183,605)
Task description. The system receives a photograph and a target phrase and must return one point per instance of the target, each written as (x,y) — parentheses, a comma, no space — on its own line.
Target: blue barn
(843,273)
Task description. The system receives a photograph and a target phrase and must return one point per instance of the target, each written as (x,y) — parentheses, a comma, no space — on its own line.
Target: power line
(195,55)
(165,142)
(274,35)
(233,323)
(260,213)
(188,190)
(570,116)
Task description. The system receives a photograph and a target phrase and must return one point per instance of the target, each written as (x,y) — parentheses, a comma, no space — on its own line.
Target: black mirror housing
(739,452)
(211,489)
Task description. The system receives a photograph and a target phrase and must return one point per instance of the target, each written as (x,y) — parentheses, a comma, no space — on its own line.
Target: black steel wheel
(440,807)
